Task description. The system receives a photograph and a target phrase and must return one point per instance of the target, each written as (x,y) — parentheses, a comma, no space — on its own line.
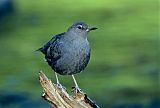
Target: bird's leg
(57,78)
(76,85)
(63,89)
(58,84)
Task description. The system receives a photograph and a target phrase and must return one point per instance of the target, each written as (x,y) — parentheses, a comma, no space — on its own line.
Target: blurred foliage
(124,64)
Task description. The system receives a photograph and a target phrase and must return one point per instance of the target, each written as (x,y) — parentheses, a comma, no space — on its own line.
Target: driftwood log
(58,97)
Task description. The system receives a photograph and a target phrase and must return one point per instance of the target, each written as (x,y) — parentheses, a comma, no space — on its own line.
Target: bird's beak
(90,29)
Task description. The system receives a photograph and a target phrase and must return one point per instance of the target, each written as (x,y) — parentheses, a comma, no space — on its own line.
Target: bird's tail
(40,49)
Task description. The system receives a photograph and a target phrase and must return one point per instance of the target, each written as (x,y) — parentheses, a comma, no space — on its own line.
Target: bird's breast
(76,50)
(75,56)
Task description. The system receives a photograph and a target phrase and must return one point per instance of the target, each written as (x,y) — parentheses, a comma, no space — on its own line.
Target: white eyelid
(80,26)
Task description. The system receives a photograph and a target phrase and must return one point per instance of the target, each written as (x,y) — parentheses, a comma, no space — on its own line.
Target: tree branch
(58,97)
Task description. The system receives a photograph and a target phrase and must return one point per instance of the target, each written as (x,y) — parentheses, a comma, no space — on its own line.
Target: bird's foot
(60,86)
(76,90)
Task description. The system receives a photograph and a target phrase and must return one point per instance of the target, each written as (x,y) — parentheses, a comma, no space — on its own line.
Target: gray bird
(68,53)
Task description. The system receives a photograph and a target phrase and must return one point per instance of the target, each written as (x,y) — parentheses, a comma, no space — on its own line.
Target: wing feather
(51,51)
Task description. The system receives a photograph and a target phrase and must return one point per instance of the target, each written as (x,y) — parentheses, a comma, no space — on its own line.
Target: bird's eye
(80,27)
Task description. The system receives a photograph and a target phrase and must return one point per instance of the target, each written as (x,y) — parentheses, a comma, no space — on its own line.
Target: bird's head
(80,28)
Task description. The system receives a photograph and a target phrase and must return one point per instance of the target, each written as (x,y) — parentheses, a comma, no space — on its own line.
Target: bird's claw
(76,90)
(60,86)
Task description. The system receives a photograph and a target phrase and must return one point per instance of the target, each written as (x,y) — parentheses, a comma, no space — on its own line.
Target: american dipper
(68,53)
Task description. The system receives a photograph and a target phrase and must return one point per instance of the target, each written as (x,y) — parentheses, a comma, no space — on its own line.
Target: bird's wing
(51,50)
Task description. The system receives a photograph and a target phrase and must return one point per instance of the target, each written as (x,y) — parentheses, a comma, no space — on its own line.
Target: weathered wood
(58,97)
